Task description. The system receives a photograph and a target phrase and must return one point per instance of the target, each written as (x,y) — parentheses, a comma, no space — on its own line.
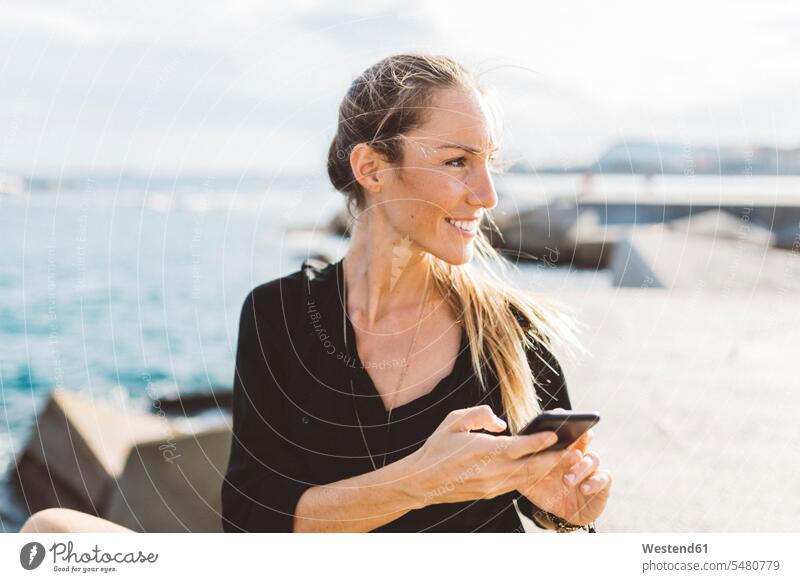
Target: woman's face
(437,194)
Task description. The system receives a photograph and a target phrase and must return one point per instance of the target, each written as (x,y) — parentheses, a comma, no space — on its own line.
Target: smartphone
(568,425)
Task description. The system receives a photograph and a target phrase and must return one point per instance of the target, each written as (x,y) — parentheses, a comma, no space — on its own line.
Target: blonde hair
(502,321)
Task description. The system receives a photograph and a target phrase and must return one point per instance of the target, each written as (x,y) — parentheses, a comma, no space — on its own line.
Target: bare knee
(52,520)
(61,520)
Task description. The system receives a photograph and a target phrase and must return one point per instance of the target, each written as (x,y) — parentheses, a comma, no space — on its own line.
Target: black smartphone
(568,425)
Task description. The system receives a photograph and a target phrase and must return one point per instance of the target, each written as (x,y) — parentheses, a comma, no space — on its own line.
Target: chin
(456,257)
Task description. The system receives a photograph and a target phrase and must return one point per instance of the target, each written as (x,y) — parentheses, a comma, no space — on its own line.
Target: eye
(459,161)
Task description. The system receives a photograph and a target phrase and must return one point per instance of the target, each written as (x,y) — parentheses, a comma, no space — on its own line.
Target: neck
(384,271)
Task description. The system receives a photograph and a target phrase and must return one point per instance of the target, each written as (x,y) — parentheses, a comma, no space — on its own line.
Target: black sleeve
(552,391)
(265,476)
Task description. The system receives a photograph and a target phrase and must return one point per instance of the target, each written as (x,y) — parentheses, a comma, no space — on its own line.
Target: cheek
(428,196)
(433,195)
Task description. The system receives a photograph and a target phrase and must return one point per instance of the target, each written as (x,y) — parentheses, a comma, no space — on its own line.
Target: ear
(367,166)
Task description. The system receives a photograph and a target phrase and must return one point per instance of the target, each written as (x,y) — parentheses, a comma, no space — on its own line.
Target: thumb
(475,418)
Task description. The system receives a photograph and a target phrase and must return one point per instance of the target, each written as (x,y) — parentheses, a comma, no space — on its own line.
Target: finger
(523,445)
(559,460)
(580,471)
(563,458)
(567,458)
(475,418)
(544,463)
(598,482)
(582,442)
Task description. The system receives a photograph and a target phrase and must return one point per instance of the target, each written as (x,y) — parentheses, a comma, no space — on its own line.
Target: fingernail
(585,488)
(570,478)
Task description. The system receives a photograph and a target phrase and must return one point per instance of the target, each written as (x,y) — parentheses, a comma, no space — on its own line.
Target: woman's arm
(267,473)
(361,503)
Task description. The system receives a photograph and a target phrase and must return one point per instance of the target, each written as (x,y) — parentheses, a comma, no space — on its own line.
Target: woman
(360,384)
(382,392)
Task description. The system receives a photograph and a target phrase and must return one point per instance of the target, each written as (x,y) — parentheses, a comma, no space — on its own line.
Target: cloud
(104,84)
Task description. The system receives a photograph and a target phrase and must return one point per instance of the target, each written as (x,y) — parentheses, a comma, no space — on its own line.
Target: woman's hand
(580,500)
(456,465)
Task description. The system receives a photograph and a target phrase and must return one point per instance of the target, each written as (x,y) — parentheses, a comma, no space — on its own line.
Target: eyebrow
(466,148)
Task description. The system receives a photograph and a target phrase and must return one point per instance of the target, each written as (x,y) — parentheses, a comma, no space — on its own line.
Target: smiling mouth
(465,226)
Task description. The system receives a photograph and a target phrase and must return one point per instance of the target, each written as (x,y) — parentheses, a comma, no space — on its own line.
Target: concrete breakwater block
(144,471)
(77,449)
(179,405)
(539,233)
(720,224)
(591,242)
(174,486)
(656,256)
(788,237)
(558,233)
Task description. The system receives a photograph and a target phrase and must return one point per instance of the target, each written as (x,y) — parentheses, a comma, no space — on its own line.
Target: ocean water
(127,289)
(120,290)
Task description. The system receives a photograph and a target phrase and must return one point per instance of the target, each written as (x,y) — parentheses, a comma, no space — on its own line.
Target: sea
(125,287)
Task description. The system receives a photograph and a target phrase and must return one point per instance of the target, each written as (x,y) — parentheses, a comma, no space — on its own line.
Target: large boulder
(173,486)
(148,472)
(77,450)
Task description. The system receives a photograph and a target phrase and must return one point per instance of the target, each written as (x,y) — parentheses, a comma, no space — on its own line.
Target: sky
(250,86)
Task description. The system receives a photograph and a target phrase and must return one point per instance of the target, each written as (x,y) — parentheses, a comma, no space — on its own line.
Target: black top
(294,425)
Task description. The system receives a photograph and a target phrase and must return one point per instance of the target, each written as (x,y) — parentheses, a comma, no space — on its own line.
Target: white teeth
(465,225)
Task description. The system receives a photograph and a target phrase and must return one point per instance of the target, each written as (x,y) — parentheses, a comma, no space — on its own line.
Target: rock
(788,238)
(559,233)
(538,233)
(83,444)
(592,242)
(144,471)
(173,486)
(188,404)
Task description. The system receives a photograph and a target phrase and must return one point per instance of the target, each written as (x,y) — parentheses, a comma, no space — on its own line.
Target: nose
(481,187)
